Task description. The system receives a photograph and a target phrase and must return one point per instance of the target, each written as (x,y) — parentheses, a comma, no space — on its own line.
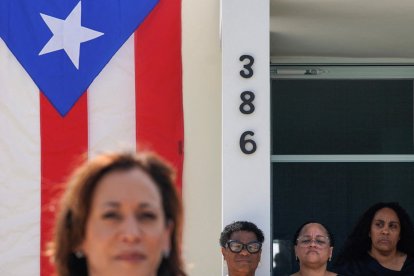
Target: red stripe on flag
(63,141)
(158,73)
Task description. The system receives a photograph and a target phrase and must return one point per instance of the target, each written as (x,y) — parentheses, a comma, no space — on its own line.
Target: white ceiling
(342,30)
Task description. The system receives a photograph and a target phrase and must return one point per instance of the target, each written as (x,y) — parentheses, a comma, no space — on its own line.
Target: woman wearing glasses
(382,243)
(241,246)
(313,249)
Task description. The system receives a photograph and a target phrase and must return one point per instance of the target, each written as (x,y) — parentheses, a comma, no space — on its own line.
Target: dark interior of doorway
(337,117)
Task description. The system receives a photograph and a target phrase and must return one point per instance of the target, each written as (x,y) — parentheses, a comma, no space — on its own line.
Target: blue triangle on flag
(63,45)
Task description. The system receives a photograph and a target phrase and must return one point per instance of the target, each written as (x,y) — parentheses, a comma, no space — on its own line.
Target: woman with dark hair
(241,246)
(119,215)
(313,249)
(381,243)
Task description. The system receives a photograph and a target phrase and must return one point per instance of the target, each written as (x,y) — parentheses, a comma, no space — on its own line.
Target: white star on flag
(68,34)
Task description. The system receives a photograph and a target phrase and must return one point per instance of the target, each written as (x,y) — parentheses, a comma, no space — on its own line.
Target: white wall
(202,118)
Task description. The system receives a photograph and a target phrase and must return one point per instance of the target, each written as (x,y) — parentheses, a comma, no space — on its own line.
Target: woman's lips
(312,251)
(243,260)
(384,241)
(131,256)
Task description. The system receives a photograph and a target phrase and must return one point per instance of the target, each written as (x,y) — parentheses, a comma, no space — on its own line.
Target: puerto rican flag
(79,77)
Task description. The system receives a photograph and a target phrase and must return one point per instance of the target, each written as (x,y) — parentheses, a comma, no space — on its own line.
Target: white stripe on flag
(19,169)
(111,104)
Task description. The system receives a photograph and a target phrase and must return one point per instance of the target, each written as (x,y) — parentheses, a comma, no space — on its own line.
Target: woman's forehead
(133,186)
(243,236)
(386,214)
(312,228)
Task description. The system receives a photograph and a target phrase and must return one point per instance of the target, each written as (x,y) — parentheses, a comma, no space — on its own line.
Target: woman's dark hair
(358,242)
(328,232)
(75,207)
(240,226)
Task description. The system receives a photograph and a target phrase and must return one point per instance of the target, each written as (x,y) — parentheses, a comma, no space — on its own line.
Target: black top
(368,266)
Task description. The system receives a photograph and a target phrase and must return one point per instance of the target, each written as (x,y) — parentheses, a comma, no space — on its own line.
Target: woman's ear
(223,252)
(167,238)
(296,253)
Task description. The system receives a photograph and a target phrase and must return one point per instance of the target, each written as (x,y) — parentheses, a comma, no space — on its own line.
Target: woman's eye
(147,216)
(393,226)
(111,215)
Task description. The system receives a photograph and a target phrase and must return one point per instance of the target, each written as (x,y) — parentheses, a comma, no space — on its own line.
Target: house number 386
(247,144)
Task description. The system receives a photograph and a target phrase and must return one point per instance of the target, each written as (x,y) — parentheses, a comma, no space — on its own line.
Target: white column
(246,182)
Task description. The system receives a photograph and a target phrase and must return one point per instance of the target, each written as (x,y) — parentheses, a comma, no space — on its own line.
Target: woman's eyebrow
(113,204)
(391,221)
(146,205)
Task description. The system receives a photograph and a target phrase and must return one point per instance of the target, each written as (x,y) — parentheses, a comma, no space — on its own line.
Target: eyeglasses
(251,247)
(320,241)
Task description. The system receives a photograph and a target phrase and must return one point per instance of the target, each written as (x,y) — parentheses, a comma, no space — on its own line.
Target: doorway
(342,140)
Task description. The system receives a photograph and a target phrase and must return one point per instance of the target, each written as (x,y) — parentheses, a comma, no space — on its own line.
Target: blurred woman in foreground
(120,215)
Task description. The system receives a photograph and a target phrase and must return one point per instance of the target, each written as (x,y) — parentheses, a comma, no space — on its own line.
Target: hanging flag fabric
(63,45)
(135,101)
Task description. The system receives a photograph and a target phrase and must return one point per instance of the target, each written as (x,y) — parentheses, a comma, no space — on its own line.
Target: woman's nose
(131,231)
(244,252)
(385,230)
(313,243)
